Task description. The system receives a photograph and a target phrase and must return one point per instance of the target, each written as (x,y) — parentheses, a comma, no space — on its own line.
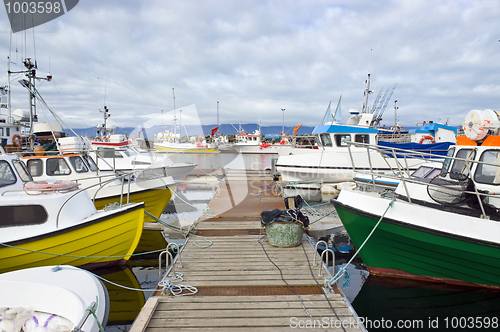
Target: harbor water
(382,303)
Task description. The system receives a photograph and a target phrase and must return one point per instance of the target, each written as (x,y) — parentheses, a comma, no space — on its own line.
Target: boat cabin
(337,136)
(13,173)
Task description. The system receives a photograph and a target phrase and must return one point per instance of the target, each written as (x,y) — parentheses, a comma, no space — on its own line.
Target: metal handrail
(316,250)
(169,256)
(327,250)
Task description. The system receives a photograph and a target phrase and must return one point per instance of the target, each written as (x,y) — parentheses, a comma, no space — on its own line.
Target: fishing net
(456,192)
(449,192)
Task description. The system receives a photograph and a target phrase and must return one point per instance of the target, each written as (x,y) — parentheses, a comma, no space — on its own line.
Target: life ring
(427,138)
(16,139)
(61,186)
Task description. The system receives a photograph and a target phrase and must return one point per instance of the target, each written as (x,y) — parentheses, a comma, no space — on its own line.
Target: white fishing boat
(166,143)
(52,299)
(332,161)
(254,144)
(115,152)
(50,223)
(104,187)
(443,227)
(171,141)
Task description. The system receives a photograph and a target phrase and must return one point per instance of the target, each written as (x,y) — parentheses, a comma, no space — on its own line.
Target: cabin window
(7,176)
(326,140)
(90,162)
(7,131)
(426,172)
(22,215)
(447,162)
(78,164)
(461,166)
(489,172)
(22,171)
(362,138)
(342,139)
(35,167)
(57,166)
(1,131)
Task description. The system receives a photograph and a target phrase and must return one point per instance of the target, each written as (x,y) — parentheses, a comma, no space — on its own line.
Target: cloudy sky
(258,57)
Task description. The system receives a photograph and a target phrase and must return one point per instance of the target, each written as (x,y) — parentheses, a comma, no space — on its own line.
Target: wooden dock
(243,283)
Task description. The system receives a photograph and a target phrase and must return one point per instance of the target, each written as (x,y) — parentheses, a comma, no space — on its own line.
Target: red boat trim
(112,144)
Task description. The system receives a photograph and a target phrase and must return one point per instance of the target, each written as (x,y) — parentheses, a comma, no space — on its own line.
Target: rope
(343,270)
(176,290)
(203,247)
(92,310)
(260,198)
(109,281)
(290,287)
(185,232)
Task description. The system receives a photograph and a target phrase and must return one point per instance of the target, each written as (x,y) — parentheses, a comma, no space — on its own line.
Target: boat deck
(243,283)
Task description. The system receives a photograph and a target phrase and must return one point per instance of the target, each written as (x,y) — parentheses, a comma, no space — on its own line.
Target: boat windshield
(22,171)
(7,176)
(78,164)
(90,162)
(325,139)
(462,165)
(489,172)
(447,162)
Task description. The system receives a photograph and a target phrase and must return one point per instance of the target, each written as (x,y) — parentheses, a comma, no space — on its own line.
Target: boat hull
(100,241)
(155,200)
(174,149)
(402,249)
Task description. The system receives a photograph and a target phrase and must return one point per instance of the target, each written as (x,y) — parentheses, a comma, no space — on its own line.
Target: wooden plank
(167,306)
(233,322)
(248,313)
(252,329)
(145,315)
(249,298)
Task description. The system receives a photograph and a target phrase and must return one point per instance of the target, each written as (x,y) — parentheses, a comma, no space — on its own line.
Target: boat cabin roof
(342,129)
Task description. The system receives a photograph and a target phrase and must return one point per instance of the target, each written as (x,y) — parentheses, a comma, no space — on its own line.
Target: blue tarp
(435,148)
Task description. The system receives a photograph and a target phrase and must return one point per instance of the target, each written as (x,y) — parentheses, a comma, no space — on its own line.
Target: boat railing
(101,185)
(404,176)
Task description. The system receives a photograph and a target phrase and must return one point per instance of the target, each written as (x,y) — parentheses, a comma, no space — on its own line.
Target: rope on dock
(343,270)
(290,287)
(168,286)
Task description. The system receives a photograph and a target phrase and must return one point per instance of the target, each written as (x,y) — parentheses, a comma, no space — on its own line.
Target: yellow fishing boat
(56,223)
